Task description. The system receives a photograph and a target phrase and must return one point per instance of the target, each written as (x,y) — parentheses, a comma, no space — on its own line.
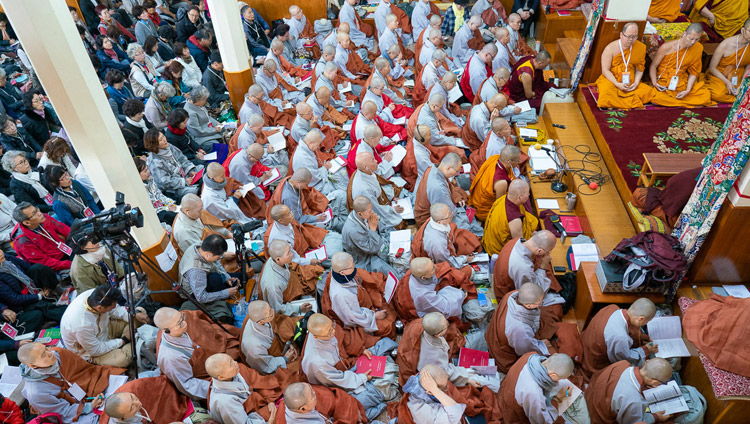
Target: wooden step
(573,33)
(569,48)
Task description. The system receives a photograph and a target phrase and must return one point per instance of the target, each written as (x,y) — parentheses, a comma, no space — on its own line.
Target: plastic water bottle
(239,310)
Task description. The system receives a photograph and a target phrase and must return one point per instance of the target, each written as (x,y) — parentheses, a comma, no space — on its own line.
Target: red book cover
(470,212)
(468,358)
(571,223)
(197,177)
(376,364)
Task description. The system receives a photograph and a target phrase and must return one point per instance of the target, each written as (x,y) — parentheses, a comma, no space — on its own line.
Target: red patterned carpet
(631,133)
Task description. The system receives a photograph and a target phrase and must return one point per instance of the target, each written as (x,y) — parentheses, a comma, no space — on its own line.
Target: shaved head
(166,317)
(451,159)
(255,150)
(695,27)
(341,261)
(361,203)
(217,363)
(278,248)
(373,132)
(433,323)
(439,211)
(449,77)
(302,175)
(657,369)
(369,107)
(30,352)
(341,36)
(343,27)
(317,324)
(381,63)
(437,99)
(642,307)
(258,309)
(279,211)
(518,188)
(437,373)
(303,107)
(502,72)
(255,90)
(628,25)
(499,125)
(421,266)
(269,65)
(560,364)
(501,32)
(544,239)
(296,395)
(118,405)
(498,101)
(514,17)
(509,153)
(215,170)
(530,294)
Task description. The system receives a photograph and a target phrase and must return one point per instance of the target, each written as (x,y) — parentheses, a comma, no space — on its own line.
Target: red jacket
(36,248)
(10,413)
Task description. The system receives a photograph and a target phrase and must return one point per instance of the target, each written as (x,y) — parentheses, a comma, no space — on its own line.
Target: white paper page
(454,94)
(400,121)
(460,143)
(277,140)
(573,395)
(534,153)
(390,287)
(347,126)
(481,257)
(466,168)
(26,336)
(400,239)
(329,216)
(3,362)
(542,164)
(585,252)
(547,204)
(671,348)
(302,301)
(287,105)
(665,328)
(524,105)
(740,292)
(343,90)
(663,392)
(400,182)
(409,83)
(408,212)
(167,258)
(305,83)
(274,176)
(671,406)
(246,189)
(336,164)
(210,156)
(231,247)
(115,382)
(319,254)
(399,153)
(396,137)
(527,132)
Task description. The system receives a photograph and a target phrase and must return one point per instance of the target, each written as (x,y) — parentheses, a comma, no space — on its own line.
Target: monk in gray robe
(433,71)
(422,155)
(326,56)
(275,278)
(422,284)
(249,134)
(375,94)
(446,84)
(343,295)
(436,188)
(215,198)
(365,183)
(322,180)
(319,101)
(428,402)
(326,79)
(290,196)
(300,402)
(427,116)
(521,267)
(382,70)
(341,59)
(319,359)
(364,238)
(283,229)
(349,15)
(494,85)
(241,165)
(480,119)
(175,351)
(437,238)
(266,78)
(372,136)
(304,121)
(461,50)
(188,227)
(229,391)
(257,339)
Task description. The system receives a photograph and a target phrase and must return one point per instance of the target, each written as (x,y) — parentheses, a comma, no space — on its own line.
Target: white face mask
(96,256)
(440,227)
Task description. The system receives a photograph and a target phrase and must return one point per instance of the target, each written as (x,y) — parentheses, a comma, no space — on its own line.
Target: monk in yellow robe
(492,180)
(727,66)
(724,17)
(508,218)
(675,69)
(662,11)
(623,62)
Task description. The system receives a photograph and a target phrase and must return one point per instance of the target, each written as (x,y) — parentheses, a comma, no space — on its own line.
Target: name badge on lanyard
(48,199)
(111,277)
(735,80)
(626,78)
(88,213)
(64,248)
(673,83)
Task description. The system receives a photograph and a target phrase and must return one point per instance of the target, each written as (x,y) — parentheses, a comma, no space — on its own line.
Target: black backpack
(659,257)
(300,331)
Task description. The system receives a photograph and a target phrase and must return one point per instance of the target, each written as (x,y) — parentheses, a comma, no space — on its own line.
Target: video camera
(112,224)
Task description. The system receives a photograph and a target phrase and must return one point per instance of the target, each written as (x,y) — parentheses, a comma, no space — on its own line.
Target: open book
(390,287)
(667,397)
(336,165)
(277,140)
(573,393)
(666,332)
(400,239)
(399,153)
(408,212)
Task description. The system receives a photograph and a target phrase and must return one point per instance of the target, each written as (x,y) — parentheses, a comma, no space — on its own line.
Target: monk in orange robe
(623,62)
(493,179)
(498,137)
(675,69)
(169,406)
(720,18)
(662,11)
(727,66)
(304,399)
(508,218)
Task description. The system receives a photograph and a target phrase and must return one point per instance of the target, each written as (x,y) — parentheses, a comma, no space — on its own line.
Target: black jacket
(23,142)
(12,99)
(184,142)
(138,149)
(11,287)
(40,128)
(185,29)
(217,89)
(24,192)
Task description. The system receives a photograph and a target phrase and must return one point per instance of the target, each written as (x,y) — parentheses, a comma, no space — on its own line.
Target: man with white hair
(503,58)
(434,70)
(428,117)
(445,85)
(434,186)
(188,227)
(465,39)
(365,182)
(278,94)
(478,68)
(322,180)
(364,238)
(215,198)
(360,32)
(532,385)
(421,14)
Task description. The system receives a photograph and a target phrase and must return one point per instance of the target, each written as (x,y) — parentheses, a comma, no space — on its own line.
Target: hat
(215,57)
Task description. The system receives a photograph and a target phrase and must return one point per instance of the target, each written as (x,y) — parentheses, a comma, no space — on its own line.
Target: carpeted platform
(655,129)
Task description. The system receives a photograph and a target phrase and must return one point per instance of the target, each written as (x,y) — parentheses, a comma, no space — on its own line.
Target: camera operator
(202,275)
(94,265)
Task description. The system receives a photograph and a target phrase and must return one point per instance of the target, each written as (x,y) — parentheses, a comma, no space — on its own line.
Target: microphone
(546,149)
(558,226)
(559,126)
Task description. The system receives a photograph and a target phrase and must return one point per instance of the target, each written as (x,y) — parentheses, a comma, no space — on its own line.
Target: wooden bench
(665,165)
(566,51)
(551,27)
(589,296)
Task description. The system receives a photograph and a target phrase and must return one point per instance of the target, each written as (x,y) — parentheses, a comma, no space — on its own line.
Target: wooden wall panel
(277,9)
(724,256)
(606,32)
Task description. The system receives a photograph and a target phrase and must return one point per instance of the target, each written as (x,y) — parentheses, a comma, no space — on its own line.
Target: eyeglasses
(630,37)
(22,161)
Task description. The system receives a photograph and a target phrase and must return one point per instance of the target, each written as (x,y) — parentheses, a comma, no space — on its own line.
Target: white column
(50,39)
(230,36)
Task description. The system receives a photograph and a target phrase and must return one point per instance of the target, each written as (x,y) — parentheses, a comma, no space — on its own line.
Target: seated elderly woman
(71,200)
(143,76)
(166,208)
(10,95)
(158,106)
(14,138)
(117,93)
(205,130)
(56,151)
(170,169)
(39,120)
(25,185)
(178,136)
(111,55)
(173,75)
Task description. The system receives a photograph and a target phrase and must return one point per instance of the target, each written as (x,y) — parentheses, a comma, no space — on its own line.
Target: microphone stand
(558,186)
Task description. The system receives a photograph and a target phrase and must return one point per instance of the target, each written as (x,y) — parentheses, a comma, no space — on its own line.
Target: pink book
(468,358)
(376,364)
